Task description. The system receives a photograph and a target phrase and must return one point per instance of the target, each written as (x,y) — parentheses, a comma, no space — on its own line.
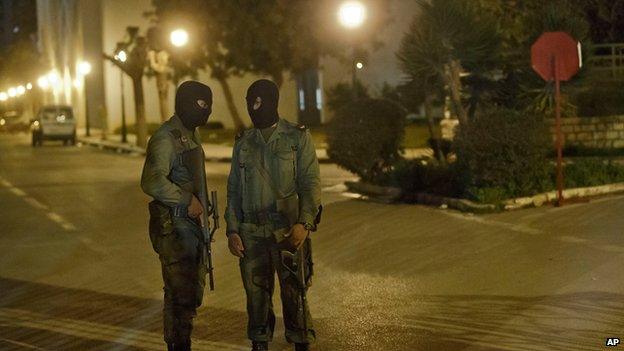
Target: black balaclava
(262,101)
(193,104)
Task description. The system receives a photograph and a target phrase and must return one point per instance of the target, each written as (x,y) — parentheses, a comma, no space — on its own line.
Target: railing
(608,59)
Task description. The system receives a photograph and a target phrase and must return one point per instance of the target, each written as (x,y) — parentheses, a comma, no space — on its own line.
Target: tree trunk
(139,108)
(453,80)
(435,140)
(162,84)
(278,78)
(229,99)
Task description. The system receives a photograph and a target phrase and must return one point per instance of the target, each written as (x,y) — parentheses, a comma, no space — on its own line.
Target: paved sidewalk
(214,152)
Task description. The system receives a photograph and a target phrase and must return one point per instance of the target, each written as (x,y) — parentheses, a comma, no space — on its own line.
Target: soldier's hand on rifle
(297,236)
(236,245)
(195,209)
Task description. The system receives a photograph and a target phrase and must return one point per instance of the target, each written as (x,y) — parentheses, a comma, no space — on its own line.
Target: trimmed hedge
(505,150)
(365,136)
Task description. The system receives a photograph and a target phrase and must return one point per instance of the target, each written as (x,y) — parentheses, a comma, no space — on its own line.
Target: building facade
(74,30)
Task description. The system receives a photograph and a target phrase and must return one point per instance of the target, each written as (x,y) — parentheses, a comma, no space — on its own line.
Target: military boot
(302,347)
(259,346)
(179,346)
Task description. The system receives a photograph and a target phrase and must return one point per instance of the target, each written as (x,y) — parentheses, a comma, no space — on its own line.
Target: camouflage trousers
(258,267)
(178,244)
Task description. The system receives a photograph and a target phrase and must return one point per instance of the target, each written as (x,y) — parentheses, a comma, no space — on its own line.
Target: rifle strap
(267,178)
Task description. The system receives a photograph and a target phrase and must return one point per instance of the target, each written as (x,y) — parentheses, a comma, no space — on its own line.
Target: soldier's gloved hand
(195,208)
(235,244)
(298,234)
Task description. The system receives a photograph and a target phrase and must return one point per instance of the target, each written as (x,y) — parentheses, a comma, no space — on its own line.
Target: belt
(262,217)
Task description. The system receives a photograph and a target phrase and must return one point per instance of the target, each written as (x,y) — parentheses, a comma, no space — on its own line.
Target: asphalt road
(77,271)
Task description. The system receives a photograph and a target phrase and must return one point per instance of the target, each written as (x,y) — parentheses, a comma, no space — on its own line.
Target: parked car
(13,121)
(54,123)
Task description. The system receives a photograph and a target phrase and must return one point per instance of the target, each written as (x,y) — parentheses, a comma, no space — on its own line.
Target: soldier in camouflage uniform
(176,212)
(284,153)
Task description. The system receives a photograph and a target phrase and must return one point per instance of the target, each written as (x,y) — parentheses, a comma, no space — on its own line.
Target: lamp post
(352,15)
(121,56)
(84,68)
(179,37)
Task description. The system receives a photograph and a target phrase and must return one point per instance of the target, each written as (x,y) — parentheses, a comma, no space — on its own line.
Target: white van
(54,123)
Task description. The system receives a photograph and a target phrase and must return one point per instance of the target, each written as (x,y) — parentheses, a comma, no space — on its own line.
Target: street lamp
(43,82)
(84,68)
(20,90)
(3,96)
(12,92)
(121,56)
(179,37)
(53,77)
(352,15)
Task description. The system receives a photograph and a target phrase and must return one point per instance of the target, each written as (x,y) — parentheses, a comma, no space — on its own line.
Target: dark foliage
(504,149)
(365,135)
(592,172)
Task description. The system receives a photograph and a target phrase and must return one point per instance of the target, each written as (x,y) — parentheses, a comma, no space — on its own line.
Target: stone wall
(594,132)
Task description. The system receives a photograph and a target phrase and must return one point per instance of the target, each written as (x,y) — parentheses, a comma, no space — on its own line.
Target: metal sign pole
(559,136)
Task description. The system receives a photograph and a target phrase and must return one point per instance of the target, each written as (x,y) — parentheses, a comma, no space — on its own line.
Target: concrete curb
(130,148)
(391,194)
(463,205)
(112,145)
(551,196)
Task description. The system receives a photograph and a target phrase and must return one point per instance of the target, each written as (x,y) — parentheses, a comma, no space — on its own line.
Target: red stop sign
(556,49)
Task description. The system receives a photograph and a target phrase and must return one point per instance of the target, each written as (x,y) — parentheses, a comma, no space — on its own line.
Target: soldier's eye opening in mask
(257,103)
(202,104)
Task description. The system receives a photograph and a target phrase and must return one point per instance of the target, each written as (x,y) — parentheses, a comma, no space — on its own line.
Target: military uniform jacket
(165,176)
(289,157)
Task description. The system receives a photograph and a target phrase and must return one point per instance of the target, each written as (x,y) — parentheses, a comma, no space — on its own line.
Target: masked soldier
(177,212)
(273,203)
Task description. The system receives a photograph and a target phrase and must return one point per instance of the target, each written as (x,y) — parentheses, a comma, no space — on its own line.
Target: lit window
(301,100)
(319,99)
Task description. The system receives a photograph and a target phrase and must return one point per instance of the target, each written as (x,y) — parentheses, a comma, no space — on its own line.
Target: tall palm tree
(447,40)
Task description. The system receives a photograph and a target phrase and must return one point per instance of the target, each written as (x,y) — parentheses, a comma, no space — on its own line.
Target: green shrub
(365,135)
(342,94)
(504,149)
(592,172)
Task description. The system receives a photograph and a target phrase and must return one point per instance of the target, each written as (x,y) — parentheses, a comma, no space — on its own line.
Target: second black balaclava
(193,104)
(262,101)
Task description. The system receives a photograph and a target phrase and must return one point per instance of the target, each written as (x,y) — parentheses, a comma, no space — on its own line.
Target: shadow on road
(578,321)
(41,316)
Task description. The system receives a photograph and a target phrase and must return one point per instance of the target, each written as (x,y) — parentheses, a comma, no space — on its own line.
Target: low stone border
(551,196)
(111,145)
(391,194)
(131,148)
(463,205)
